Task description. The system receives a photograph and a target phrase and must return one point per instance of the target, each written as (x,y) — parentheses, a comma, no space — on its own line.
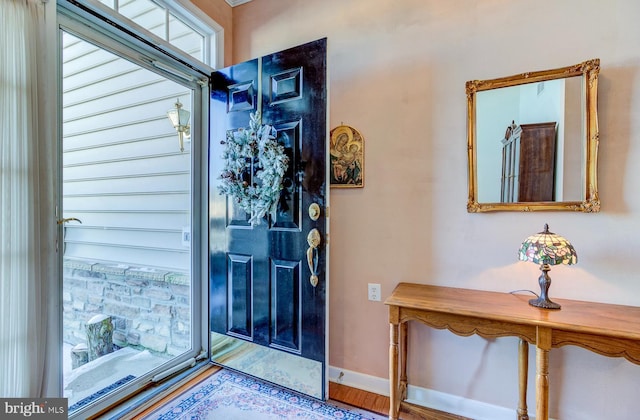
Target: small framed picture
(347,158)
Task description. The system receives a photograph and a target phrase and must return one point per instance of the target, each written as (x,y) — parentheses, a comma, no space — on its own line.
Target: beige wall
(397,74)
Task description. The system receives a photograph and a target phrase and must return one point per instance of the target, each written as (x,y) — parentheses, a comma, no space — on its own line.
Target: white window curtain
(27,240)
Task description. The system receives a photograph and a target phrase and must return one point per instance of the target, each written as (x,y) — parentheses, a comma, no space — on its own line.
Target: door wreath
(254,167)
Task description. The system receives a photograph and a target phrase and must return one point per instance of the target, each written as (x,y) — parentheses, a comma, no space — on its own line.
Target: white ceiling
(234,3)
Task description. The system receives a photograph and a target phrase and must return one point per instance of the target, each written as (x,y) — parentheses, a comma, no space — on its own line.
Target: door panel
(240,292)
(285,306)
(260,273)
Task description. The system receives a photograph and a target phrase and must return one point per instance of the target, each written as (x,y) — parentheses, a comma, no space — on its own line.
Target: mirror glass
(532,141)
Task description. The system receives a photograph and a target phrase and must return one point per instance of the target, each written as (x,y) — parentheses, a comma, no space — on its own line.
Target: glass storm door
(128,290)
(268,319)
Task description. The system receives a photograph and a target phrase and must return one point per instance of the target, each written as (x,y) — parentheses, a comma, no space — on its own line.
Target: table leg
(523,372)
(394,402)
(543,344)
(403,361)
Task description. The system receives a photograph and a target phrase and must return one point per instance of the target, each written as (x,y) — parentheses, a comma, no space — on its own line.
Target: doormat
(233,396)
(91,398)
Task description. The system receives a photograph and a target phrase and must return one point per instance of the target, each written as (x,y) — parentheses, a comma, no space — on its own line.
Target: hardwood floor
(359,398)
(186,385)
(380,404)
(337,392)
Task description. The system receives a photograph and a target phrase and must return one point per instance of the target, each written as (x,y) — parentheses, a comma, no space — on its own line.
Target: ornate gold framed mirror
(533,141)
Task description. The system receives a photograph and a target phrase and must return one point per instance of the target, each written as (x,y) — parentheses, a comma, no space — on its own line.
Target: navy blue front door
(261,288)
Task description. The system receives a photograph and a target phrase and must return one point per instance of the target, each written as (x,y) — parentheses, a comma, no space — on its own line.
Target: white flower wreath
(255,164)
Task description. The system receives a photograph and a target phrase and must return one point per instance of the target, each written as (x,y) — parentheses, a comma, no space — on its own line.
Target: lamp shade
(547,248)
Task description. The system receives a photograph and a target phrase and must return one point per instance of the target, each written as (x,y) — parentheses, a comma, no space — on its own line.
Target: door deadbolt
(314,211)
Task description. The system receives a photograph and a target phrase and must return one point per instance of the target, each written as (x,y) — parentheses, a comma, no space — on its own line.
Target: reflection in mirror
(533,141)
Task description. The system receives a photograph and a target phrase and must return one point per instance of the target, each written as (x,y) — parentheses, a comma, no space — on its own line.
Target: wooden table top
(575,316)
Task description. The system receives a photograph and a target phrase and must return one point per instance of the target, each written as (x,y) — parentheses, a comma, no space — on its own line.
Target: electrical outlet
(374,291)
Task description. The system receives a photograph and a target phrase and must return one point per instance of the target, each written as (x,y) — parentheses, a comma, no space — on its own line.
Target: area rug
(232,396)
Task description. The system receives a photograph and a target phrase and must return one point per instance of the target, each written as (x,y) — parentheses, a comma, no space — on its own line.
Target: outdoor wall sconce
(180,119)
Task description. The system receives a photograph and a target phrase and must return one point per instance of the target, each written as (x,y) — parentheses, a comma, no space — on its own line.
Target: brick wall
(149,308)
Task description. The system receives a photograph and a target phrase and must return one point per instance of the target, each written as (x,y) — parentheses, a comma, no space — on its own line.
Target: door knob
(313,239)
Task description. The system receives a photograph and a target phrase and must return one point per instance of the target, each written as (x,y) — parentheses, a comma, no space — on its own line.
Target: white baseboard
(359,380)
(426,397)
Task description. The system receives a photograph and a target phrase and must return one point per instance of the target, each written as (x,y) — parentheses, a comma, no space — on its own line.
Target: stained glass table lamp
(547,249)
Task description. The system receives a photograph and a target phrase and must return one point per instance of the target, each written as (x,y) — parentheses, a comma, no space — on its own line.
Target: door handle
(69,219)
(313,239)
(62,222)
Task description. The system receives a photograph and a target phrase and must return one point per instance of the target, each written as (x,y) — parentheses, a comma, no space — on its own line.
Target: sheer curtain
(27,257)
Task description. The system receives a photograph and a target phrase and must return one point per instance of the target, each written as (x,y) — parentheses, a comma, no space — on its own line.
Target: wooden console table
(610,330)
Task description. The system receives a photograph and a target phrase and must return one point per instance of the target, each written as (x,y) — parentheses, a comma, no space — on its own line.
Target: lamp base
(545,281)
(544,303)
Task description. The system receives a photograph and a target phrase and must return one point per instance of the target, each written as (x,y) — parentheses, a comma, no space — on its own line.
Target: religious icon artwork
(347,157)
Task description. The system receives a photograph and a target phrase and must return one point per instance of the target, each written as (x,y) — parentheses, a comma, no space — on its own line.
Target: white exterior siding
(124,175)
